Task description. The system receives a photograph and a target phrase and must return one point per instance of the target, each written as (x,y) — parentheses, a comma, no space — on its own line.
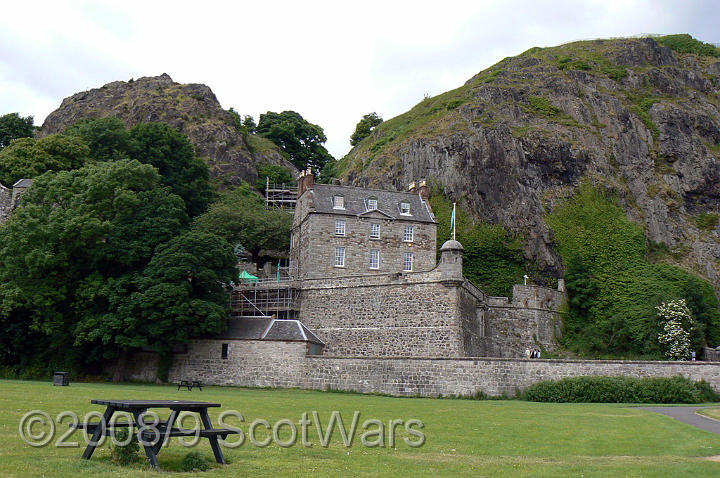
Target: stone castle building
(363,277)
(370,310)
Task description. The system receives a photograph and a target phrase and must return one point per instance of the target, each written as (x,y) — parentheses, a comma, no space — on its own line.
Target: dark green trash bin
(61,379)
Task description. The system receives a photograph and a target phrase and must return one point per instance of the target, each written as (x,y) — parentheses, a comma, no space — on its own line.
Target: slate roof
(268,329)
(355,199)
(23,183)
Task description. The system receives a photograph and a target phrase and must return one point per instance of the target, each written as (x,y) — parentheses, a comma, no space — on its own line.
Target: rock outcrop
(191,108)
(631,115)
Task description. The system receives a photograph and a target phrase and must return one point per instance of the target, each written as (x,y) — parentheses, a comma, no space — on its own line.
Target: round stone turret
(451,261)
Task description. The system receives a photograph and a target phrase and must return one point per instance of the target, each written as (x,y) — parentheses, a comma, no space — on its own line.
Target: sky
(331,61)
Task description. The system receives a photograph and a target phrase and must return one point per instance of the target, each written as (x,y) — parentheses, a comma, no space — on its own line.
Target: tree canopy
(28,157)
(14,126)
(363,129)
(300,139)
(151,143)
(240,217)
(93,261)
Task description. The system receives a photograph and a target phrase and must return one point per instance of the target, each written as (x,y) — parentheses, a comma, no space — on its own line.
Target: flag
(452,222)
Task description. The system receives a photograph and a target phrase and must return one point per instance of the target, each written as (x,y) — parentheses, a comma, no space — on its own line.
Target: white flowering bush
(678,323)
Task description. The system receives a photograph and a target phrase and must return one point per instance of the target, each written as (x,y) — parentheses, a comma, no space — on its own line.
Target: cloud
(330,61)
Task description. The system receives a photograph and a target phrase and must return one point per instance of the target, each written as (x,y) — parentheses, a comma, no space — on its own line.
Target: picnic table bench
(155,434)
(190,384)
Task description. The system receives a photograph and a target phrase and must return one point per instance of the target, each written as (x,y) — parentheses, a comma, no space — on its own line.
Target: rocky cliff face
(192,109)
(632,115)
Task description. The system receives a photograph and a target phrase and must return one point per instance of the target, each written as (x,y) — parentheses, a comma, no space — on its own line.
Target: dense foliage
(97,262)
(152,143)
(100,258)
(363,129)
(276,174)
(240,217)
(300,139)
(599,389)
(28,157)
(493,259)
(14,126)
(684,43)
(613,289)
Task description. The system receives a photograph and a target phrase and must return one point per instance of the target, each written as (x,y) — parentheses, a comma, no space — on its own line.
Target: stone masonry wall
(250,363)
(285,364)
(5,203)
(530,319)
(391,315)
(317,240)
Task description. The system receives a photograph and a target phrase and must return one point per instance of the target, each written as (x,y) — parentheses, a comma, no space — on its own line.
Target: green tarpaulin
(245,276)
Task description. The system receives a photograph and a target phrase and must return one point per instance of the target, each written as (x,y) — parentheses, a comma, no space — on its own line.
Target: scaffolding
(280,196)
(265,299)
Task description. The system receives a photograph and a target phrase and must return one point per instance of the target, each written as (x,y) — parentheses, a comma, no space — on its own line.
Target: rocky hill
(193,109)
(634,115)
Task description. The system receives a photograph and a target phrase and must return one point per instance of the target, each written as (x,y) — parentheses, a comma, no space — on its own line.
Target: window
(339,228)
(224,352)
(374,230)
(409,234)
(408,262)
(338,202)
(372,204)
(339,257)
(405,208)
(374,258)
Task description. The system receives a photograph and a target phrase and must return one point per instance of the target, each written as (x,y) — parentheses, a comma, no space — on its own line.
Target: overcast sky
(331,61)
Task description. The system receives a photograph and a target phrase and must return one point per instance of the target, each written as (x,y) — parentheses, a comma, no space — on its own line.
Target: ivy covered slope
(232,154)
(637,117)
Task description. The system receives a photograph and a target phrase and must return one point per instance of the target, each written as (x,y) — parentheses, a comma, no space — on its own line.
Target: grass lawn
(710,412)
(463,437)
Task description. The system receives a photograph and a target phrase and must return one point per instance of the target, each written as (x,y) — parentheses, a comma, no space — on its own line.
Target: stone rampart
(285,364)
(530,319)
(410,314)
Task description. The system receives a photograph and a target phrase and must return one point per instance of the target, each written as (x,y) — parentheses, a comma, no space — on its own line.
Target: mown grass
(463,437)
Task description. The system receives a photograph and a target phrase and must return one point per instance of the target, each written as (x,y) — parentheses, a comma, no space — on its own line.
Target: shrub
(707,221)
(543,106)
(194,461)
(684,43)
(603,389)
(127,453)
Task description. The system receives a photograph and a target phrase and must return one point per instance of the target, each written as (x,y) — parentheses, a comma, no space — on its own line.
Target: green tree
(70,254)
(14,126)
(107,138)
(174,156)
(276,173)
(28,157)
(363,129)
(300,139)
(240,216)
(249,123)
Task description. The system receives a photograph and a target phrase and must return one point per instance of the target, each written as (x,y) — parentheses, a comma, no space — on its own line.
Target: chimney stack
(305,181)
(424,191)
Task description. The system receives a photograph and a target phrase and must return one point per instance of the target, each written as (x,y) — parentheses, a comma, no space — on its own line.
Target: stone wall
(249,363)
(285,364)
(391,315)
(530,319)
(317,239)
(5,203)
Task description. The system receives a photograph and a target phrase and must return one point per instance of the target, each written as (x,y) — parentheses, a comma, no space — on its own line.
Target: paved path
(688,415)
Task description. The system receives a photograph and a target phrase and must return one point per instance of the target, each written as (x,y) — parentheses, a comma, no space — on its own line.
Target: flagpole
(453,222)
